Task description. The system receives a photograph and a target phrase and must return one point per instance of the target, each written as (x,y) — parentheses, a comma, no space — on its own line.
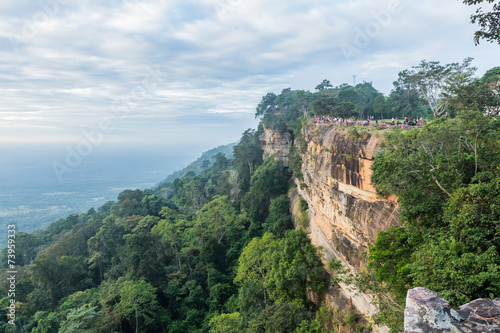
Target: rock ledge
(426,312)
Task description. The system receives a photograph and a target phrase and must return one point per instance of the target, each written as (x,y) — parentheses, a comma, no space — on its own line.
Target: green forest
(218,251)
(446,176)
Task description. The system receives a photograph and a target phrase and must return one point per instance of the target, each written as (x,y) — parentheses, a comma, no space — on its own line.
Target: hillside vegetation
(217,250)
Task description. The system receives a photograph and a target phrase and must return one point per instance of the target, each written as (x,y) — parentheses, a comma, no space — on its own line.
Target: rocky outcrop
(426,312)
(344,208)
(345,213)
(277,144)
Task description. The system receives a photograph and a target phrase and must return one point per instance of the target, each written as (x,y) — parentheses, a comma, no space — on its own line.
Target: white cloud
(216,58)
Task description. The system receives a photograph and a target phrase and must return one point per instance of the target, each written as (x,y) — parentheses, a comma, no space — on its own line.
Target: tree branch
(440,186)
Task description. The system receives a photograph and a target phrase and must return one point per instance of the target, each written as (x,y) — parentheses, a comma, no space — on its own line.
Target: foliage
(280,112)
(137,300)
(247,157)
(279,317)
(226,323)
(279,219)
(404,100)
(446,176)
(432,81)
(487,21)
(282,268)
(269,181)
(346,101)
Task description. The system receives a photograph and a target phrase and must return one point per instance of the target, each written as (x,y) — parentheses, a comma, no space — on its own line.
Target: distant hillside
(199,165)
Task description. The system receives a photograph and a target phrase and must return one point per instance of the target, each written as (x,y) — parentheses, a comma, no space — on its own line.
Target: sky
(185,74)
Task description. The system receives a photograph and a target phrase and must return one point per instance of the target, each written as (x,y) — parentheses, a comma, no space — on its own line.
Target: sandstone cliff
(345,214)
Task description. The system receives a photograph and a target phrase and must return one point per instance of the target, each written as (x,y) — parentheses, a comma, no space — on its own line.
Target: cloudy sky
(190,72)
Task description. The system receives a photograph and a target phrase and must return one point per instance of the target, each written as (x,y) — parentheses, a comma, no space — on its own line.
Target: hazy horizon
(32,196)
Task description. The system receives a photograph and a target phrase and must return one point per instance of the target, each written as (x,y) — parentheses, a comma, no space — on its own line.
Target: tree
(146,224)
(217,219)
(304,98)
(143,255)
(279,219)
(434,81)
(281,317)
(492,76)
(256,262)
(489,22)
(129,201)
(138,300)
(267,104)
(80,320)
(297,267)
(152,205)
(226,323)
(344,110)
(247,157)
(268,182)
(286,108)
(325,84)
(424,168)
(405,100)
(47,323)
(283,268)
(379,106)
(105,245)
(170,233)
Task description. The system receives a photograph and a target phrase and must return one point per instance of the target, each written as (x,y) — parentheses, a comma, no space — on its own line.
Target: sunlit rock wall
(277,144)
(344,212)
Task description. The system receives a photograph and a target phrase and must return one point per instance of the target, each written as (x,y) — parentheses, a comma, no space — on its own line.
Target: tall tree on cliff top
(267,104)
(434,81)
(488,21)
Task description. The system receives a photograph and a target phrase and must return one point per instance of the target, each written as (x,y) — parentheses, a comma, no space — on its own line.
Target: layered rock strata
(345,214)
(277,144)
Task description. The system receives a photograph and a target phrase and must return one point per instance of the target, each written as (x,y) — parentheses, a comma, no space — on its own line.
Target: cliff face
(344,208)
(277,144)
(345,214)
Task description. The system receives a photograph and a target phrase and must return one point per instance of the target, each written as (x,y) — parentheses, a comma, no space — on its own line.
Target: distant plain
(31,195)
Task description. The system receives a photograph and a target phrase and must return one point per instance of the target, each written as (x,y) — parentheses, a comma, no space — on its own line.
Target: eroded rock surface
(277,144)
(426,312)
(345,213)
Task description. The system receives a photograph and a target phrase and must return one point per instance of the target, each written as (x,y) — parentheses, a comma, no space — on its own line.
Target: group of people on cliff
(408,121)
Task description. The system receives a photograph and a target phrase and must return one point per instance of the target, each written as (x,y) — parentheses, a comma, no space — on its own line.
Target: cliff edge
(344,213)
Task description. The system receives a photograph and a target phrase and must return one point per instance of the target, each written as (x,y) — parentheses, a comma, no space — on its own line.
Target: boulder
(426,311)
